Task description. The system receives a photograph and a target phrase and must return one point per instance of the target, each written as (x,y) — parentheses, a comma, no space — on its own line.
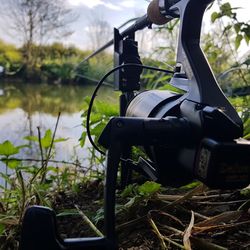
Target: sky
(109,10)
(115,12)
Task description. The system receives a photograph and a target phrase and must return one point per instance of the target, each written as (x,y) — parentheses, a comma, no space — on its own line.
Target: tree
(35,22)
(99,31)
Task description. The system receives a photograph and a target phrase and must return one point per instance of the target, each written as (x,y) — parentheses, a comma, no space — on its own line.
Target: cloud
(128,3)
(112,6)
(94,3)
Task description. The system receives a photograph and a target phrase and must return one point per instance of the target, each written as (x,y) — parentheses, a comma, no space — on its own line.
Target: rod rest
(39,232)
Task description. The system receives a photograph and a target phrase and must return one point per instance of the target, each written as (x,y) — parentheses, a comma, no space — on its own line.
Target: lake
(24,107)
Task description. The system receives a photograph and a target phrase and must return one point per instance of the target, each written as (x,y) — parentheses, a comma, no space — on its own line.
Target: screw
(119,124)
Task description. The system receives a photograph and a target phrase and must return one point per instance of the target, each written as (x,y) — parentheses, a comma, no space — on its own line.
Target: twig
(157,232)
(40,146)
(89,222)
(182,209)
(170,216)
(50,150)
(244,206)
(177,197)
(216,203)
(173,242)
(169,205)
(187,233)
(189,195)
(23,191)
(130,223)
(175,230)
(221,218)
(219,227)
(52,161)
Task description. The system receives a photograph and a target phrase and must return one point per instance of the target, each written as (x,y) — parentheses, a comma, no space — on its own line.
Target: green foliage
(46,141)
(242,29)
(10,56)
(215,48)
(246,192)
(139,194)
(101,113)
(247,129)
(28,184)
(48,63)
(7,149)
(153,80)
(191,185)
(99,65)
(147,189)
(58,72)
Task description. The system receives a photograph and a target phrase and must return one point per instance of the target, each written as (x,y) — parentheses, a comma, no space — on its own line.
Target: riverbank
(161,218)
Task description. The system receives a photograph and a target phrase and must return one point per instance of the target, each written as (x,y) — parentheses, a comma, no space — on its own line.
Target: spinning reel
(195,135)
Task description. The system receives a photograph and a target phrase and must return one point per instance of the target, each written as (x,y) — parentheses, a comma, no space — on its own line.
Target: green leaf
(149,188)
(247,39)
(13,164)
(214,16)
(2,229)
(191,185)
(133,201)
(99,215)
(95,118)
(7,149)
(6,178)
(68,212)
(247,137)
(237,27)
(60,140)
(83,139)
(46,140)
(226,10)
(238,40)
(128,191)
(245,192)
(31,138)
(98,129)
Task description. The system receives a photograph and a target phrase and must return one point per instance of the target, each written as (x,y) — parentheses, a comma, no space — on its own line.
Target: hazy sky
(109,10)
(115,12)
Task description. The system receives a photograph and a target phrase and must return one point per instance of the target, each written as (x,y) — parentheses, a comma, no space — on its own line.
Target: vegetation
(10,57)
(26,183)
(194,214)
(34,22)
(55,63)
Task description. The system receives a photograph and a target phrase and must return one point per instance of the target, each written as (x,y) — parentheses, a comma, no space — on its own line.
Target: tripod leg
(126,171)
(39,230)
(112,164)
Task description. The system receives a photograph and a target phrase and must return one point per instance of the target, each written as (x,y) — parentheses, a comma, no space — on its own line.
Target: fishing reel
(192,135)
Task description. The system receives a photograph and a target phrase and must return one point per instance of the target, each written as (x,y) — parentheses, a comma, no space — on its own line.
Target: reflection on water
(24,107)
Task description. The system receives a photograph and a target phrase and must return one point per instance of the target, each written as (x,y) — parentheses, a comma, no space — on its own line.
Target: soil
(162,221)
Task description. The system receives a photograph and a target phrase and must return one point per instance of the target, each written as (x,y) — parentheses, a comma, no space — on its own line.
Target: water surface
(24,107)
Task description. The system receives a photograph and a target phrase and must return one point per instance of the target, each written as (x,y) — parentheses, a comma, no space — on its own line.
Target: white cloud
(90,4)
(128,3)
(112,6)
(93,3)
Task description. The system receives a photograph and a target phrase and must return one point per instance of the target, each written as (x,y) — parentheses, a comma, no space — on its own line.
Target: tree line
(35,22)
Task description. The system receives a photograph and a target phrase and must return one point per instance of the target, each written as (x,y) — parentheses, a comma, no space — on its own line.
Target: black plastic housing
(223,164)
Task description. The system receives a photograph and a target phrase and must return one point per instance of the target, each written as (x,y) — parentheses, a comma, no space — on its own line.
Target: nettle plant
(26,182)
